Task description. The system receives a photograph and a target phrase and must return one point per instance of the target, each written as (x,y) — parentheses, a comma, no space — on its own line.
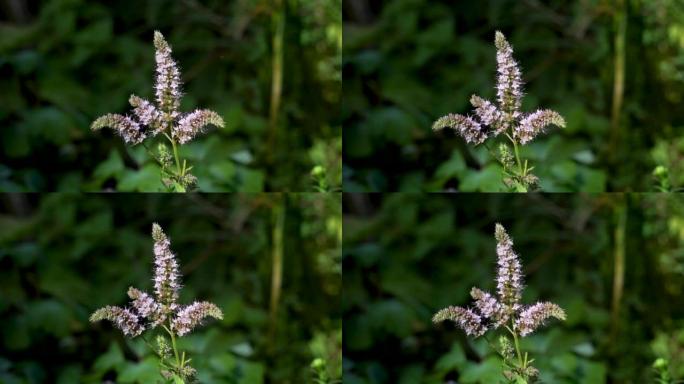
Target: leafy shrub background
(62,256)
(407,255)
(65,62)
(408,62)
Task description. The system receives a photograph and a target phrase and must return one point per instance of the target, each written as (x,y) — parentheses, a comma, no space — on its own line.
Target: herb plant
(164,118)
(505,118)
(504,311)
(147,313)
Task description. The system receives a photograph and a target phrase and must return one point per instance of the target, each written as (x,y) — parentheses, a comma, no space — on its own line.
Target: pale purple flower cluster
(466,318)
(192,315)
(535,315)
(126,127)
(163,307)
(509,278)
(536,122)
(123,318)
(163,117)
(146,113)
(146,306)
(509,85)
(487,112)
(507,115)
(167,87)
(193,123)
(470,129)
(166,276)
(488,306)
(492,312)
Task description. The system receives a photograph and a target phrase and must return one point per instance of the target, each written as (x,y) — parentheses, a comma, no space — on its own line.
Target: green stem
(517,345)
(517,158)
(173,344)
(175,155)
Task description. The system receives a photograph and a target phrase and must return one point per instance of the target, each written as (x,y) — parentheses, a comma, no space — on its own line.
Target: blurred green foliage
(407,255)
(62,256)
(65,62)
(408,62)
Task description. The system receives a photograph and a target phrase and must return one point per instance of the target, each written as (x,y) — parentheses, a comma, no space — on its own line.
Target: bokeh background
(615,263)
(613,69)
(62,256)
(63,63)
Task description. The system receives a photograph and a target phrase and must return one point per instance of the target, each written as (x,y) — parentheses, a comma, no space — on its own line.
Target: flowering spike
(509,85)
(123,125)
(147,113)
(469,321)
(535,315)
(192,315)
(127,321)
(166,276)
(193,123)
(489,307)
(509,276)
(167,85)
(146,306)
(488,113)
(470,129)
(535,123)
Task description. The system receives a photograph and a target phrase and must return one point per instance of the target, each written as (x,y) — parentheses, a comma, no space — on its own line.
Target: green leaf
(146,371)
(594,373)
(452,361)
(487,179)
(112,359)
(253,373)
(223,364)
(113,167)
(147,179)
(452,168)
(486,372)
(250,180)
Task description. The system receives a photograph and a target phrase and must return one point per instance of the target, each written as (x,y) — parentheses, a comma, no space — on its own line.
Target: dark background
(62,256)
(408,255)
(408,62)
(63,63)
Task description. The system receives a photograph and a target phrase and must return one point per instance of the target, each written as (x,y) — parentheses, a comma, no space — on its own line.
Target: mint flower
(192,315)
(126,127)
(509,85)
(467,127)
(509,278)
(149,120)
(123,318)
(466,318)
(534,316)
(166,276)
(504,310)
(505,118)
(148,313)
